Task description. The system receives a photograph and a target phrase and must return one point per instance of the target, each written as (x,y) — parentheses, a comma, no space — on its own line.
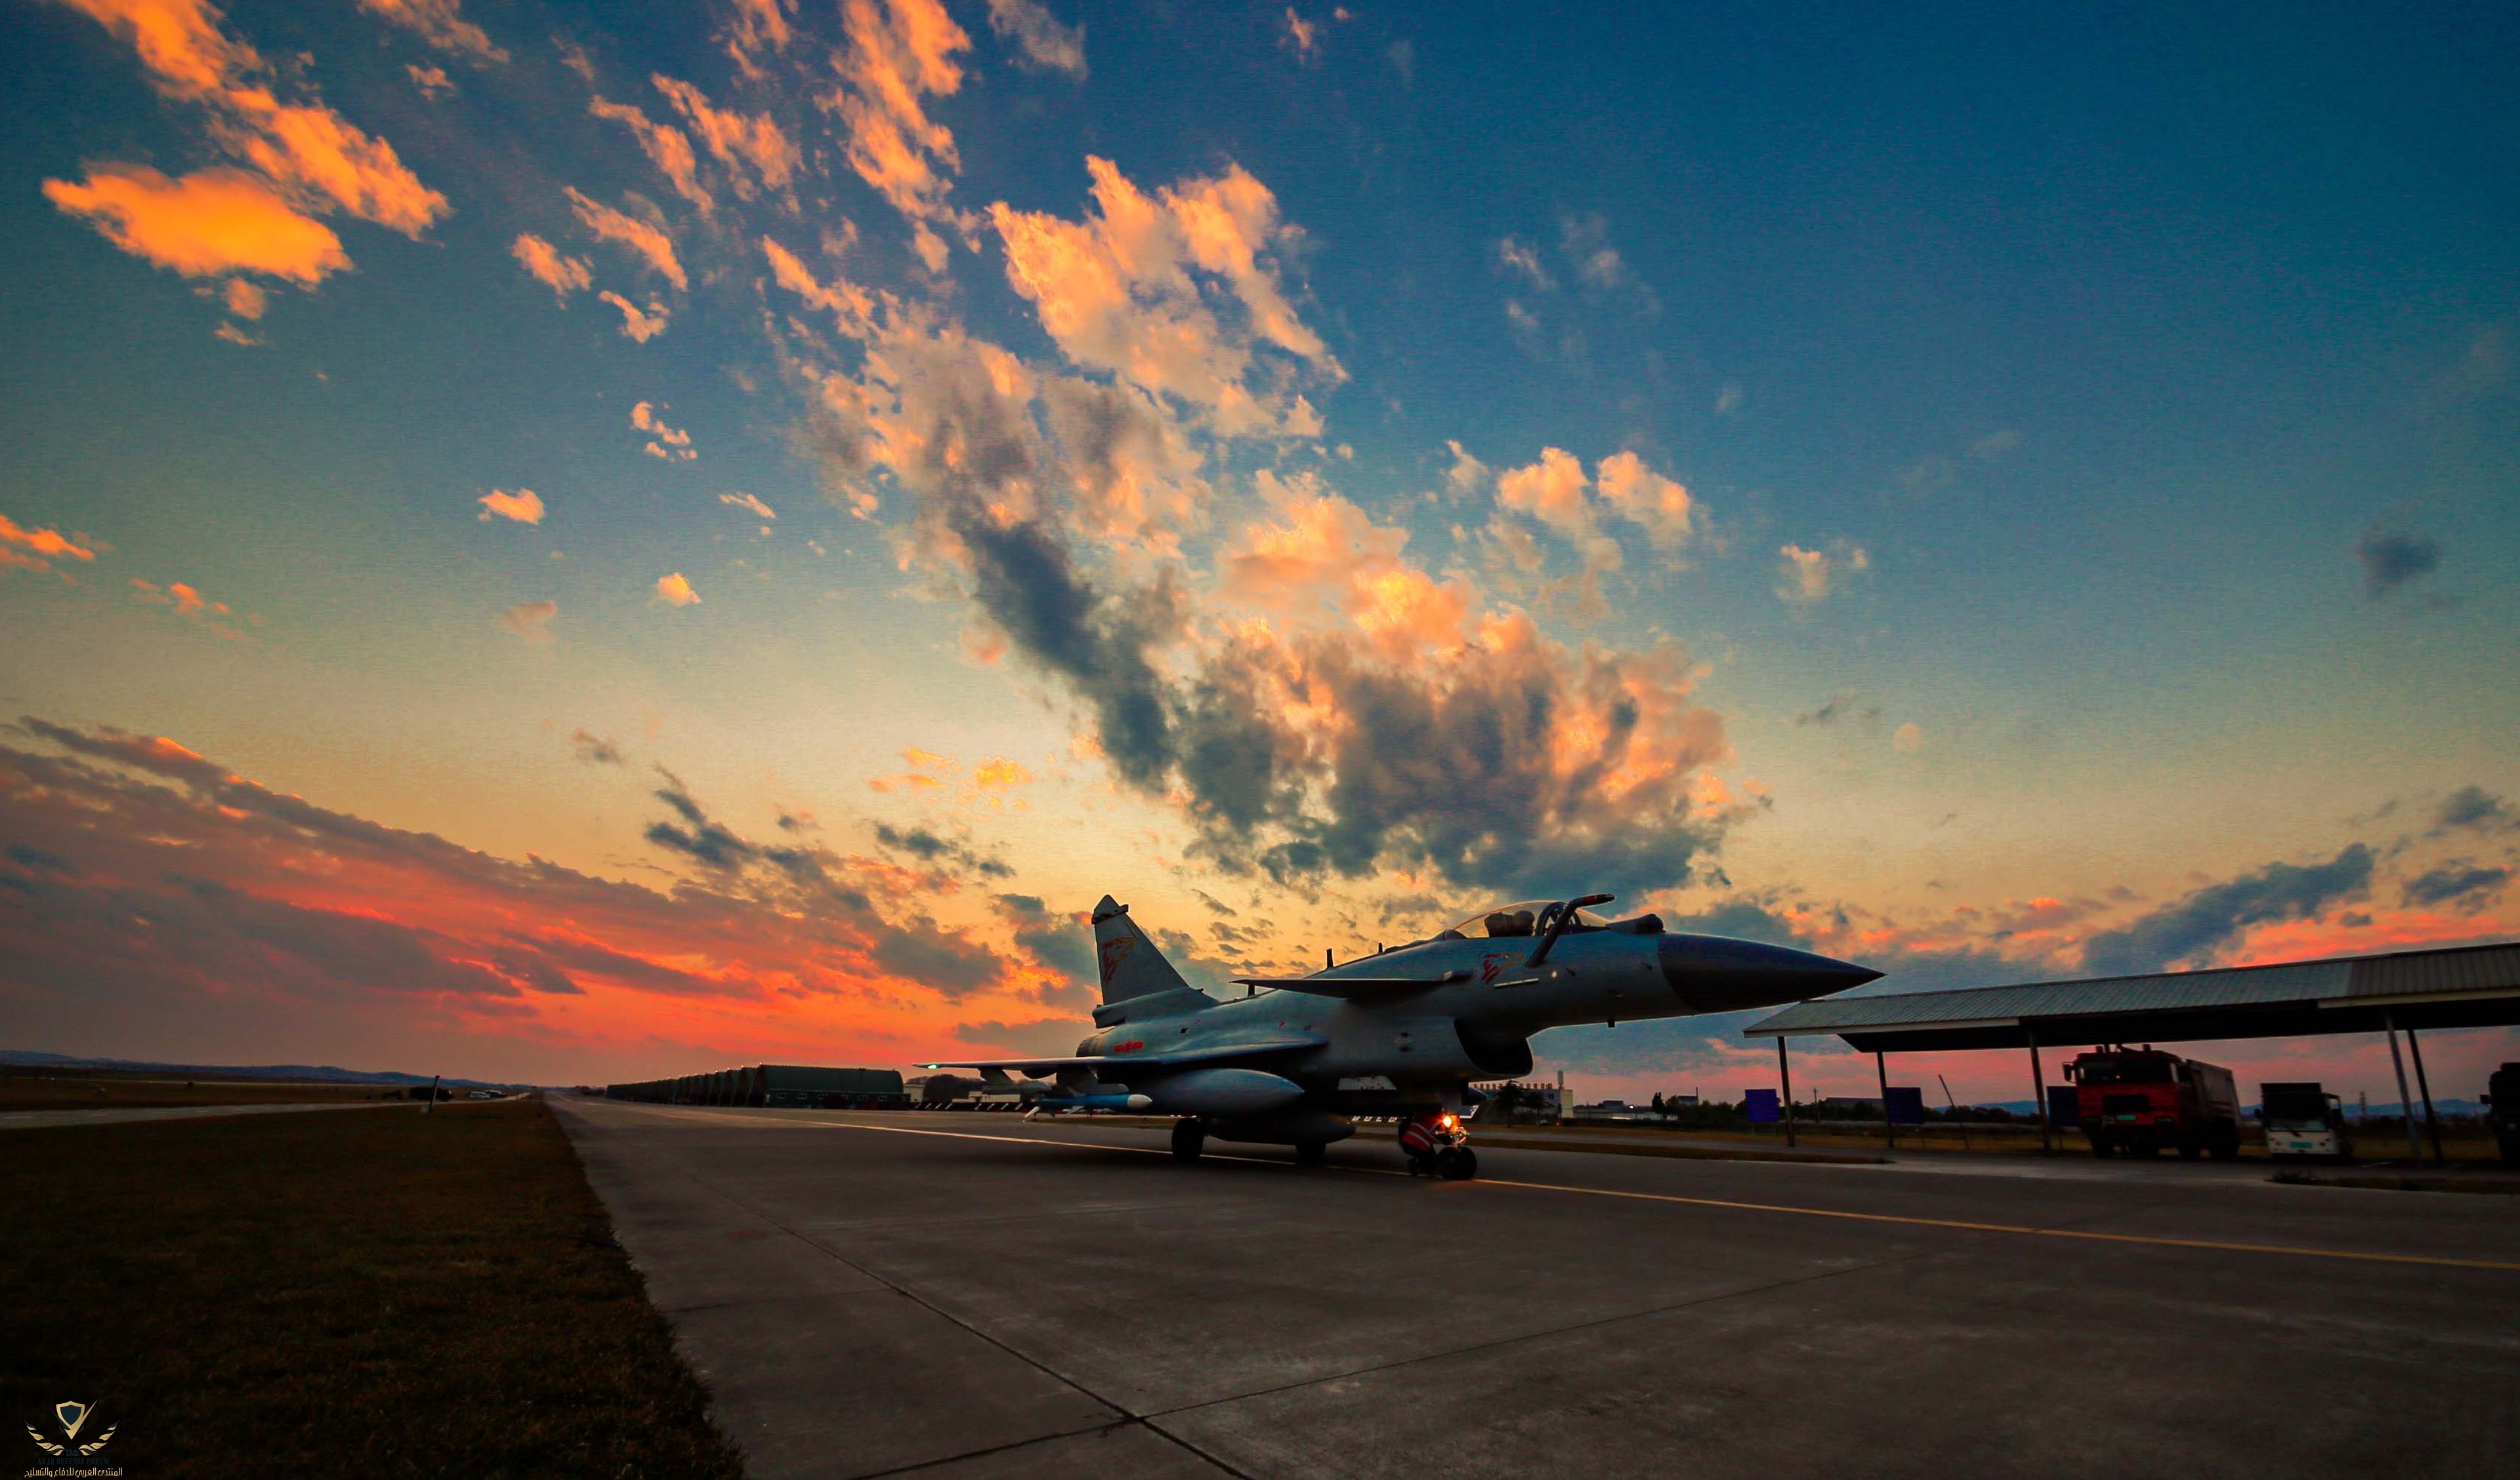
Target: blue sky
(2097,431)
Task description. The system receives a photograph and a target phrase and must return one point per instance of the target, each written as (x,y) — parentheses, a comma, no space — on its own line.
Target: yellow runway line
(1962,1225)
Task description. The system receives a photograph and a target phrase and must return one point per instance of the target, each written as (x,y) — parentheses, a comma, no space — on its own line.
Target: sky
(572,543)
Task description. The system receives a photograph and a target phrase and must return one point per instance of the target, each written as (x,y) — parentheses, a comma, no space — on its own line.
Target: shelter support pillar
(1889,1132)
(2405,1101)
(1785,1078)
(2038,1087)
(2432,1123)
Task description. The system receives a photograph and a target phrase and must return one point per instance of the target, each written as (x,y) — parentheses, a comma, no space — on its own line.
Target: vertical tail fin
(1132,967)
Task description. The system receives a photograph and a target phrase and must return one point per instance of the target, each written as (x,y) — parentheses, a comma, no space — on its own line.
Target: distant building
(789,1086)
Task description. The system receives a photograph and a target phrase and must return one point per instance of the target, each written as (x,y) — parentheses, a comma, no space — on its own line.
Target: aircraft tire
(1189,1138)
(1459,1164)
(1312,1153)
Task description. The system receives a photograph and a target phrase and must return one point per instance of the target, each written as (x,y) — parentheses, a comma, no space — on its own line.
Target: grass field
(386,1294)
(99,1092)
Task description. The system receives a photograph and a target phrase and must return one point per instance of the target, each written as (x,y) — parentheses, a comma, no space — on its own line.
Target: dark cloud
(2461,885)
(39,860)
(937,958)
(2192,927)
(929,848)
(1467,775)
(2472,806)
(699,839)
(1063,943)
(1740,918)
(2393,557)
(597,751)
(1840,706)
(1030,586)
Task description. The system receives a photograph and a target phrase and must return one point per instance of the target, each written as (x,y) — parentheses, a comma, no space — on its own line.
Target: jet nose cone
(1715,973)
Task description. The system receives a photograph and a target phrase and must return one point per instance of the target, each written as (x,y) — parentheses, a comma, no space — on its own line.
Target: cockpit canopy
(1526,917)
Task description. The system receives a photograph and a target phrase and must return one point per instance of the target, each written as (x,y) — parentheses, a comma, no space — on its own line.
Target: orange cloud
(898,52)
(1116,292)
(671,443)
(844,300)
(310,152)
(738,141)
(754,27)
(1646,498)
(206,223)
(187,602)
(244,299)
(323,155)
(667,148)
(675,591)
(640,324)
(747,503)
(1000,774)
(562,275)
(643,239)
(27,549)
(524,506)
(1550,490)
(440,23)
(179,41)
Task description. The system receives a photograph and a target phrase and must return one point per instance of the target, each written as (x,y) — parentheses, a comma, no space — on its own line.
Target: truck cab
(2304,1121)
(2502,1103)
(2144,1100)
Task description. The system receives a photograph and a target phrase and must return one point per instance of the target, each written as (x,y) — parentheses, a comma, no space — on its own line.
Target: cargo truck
(2144,1100)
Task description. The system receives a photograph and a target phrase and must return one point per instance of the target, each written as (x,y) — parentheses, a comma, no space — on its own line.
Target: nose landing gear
(1436,1146)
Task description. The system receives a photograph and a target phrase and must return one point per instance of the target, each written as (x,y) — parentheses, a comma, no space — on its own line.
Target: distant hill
(325,1073)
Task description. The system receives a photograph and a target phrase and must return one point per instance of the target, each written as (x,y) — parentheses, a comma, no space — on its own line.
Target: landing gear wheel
(1312,1153)
(1190,1138)
(1459,1164)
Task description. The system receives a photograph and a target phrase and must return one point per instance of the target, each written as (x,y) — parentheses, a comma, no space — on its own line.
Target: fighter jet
(1400,1033)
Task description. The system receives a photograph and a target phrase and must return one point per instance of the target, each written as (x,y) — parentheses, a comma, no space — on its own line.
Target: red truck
(2144,1099)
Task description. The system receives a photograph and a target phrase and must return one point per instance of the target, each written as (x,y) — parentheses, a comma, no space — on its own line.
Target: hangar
(2461,987)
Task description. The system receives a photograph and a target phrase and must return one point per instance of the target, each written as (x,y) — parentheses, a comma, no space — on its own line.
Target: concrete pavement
(973,1296)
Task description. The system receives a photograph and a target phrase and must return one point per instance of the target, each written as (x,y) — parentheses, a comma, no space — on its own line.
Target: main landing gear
(1436,1146)
(1190,1138)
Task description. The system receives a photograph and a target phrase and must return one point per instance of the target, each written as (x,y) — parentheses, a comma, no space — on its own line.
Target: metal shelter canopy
(2463,987)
